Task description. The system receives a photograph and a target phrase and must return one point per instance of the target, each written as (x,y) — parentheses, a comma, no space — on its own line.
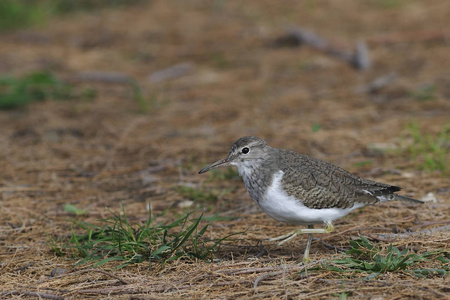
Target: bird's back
(320,184)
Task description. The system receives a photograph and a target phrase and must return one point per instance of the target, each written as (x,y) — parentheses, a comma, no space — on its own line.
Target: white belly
(277,204)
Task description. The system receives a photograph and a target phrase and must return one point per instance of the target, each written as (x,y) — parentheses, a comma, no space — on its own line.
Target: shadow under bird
(302,190)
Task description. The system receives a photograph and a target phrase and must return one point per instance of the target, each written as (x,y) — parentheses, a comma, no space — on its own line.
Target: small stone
(57,271)
(185,203)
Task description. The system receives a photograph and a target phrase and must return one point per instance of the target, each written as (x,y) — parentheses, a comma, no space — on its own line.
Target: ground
(119,148)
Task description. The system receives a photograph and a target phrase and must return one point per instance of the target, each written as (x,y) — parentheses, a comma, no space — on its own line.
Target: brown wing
(320,184)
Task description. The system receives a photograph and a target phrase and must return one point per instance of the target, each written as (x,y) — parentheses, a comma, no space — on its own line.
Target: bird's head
(244,151)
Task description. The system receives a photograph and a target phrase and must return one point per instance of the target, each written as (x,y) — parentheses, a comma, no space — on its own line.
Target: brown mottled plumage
(300,189)
(323,185)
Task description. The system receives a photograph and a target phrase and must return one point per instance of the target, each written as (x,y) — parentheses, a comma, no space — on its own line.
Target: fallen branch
(297,37)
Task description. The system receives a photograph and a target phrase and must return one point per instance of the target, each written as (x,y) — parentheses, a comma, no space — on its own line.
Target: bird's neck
(257,175)
(247,169)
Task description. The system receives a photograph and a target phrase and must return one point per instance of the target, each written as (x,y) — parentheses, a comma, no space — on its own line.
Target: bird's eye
(245,150)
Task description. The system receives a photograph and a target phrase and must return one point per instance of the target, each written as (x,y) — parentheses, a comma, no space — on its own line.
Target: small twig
(34,294)
(26,189)
(329,246)
(440,295)
(110,275)
(426,224)
(87,271)
(264,276)
(387,229)
(274,268)
(253,270)
(282,271)
(111,290)
(23,267)
(161,288)
(378,238)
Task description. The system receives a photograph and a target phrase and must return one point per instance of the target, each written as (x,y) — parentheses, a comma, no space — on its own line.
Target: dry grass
(100,153)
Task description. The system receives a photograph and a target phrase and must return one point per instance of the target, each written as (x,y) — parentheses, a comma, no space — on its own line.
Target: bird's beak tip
(213,166)
(204,170)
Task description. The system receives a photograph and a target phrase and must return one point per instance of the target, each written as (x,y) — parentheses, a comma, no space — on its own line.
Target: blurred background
(109,102)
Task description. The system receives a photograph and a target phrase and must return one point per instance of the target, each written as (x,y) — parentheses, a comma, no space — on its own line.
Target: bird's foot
(292,234)
(310,231)
(285,237)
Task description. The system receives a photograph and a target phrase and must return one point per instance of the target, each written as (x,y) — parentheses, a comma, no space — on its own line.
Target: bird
(301,190)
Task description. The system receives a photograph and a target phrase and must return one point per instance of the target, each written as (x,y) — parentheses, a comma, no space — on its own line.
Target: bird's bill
(214,165)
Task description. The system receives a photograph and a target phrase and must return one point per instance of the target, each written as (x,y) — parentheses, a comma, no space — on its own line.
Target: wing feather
(320,184)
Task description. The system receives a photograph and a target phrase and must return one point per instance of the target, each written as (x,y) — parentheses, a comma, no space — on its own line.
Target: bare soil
(235,81)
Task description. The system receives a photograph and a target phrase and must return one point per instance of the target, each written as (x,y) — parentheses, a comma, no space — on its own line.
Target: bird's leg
(308,245)
(310,230)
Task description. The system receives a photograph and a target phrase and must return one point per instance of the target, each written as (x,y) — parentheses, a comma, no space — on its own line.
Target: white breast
(284,208)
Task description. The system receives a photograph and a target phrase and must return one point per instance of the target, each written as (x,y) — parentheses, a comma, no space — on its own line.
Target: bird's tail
(407,199)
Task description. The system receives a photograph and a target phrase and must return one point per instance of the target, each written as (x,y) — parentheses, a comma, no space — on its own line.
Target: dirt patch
(116,149)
